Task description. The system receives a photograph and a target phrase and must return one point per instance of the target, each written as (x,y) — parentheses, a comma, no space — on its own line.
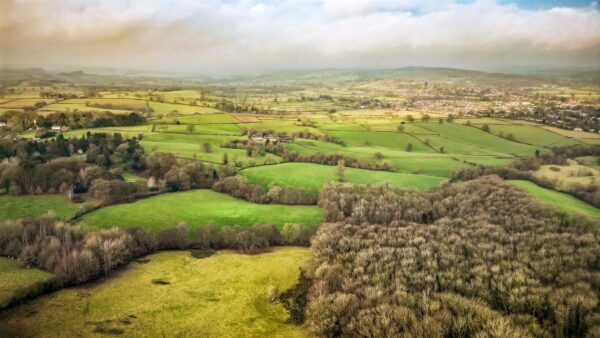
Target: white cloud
(251,35)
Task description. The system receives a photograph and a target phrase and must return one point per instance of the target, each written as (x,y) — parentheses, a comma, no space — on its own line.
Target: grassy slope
(314,176)
(560,200)
(199,208)
(16,207)
(16,282)
(220,296)
(393,140)
(479,138)
(532,135)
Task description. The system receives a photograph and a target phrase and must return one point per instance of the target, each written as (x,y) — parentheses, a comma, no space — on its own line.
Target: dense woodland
(478,259)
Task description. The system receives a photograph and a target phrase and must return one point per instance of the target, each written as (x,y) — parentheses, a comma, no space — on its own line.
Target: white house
(56,128)
(3,124)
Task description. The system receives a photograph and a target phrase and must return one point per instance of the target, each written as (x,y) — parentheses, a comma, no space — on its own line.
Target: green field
(179,109)
(478,138)
(198,119)
(314,176)
(17,207)
(224,295)
(17,282)
(532,135)
(73,107)
(190,146)
(199,208)
(557,199)
(392,140)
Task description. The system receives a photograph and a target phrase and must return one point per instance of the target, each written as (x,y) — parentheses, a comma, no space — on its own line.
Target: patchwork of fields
(226,294)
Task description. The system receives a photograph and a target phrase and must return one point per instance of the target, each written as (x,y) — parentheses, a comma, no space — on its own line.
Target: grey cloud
(249,35)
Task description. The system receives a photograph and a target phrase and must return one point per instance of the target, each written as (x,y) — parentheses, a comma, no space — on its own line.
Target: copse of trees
(76,255)
(486,261)
(101,149)
(59,175)
(30,167)
(239,187)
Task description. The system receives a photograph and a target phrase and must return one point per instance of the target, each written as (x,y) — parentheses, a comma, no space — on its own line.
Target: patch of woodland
(476,259)
(65,165)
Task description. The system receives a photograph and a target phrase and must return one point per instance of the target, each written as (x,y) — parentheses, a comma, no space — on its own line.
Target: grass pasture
(17,282)
(532,135)
(161,108)
(479,138)
(566,175)
(224,295)
(557,199)
(190,146)
(393,140)
(213,129)
(22,103)
(126,103)
(17,207)
(198,208)
(72,107)
(314,176)
(580,135)
(198,119)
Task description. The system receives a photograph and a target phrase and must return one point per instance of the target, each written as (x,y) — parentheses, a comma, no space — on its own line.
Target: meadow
(17,282)
(314,176)
(567,175)
(533,135)
(173,294)
(198,208)
(17,207)
(557,199)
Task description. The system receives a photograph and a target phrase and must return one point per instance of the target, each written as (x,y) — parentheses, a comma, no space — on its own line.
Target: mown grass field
(531,135)
(198,119)
(473,136)
(314,176)
(72,107)
(224,295)
(199,208)
(557,199)
(17,207)
(17,282)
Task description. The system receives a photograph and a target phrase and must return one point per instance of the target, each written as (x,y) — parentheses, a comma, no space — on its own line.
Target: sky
(228,37)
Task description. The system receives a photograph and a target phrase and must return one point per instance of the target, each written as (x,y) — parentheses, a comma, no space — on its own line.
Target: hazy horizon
(262,36)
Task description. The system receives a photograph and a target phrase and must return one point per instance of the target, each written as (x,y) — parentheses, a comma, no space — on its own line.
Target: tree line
(76,254)
(21,121)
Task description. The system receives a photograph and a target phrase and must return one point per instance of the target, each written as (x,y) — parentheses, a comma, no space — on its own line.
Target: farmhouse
(262,137)
(59,128)
(2,124)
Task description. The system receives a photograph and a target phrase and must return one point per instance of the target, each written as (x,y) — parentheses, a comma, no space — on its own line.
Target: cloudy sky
(247,36)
